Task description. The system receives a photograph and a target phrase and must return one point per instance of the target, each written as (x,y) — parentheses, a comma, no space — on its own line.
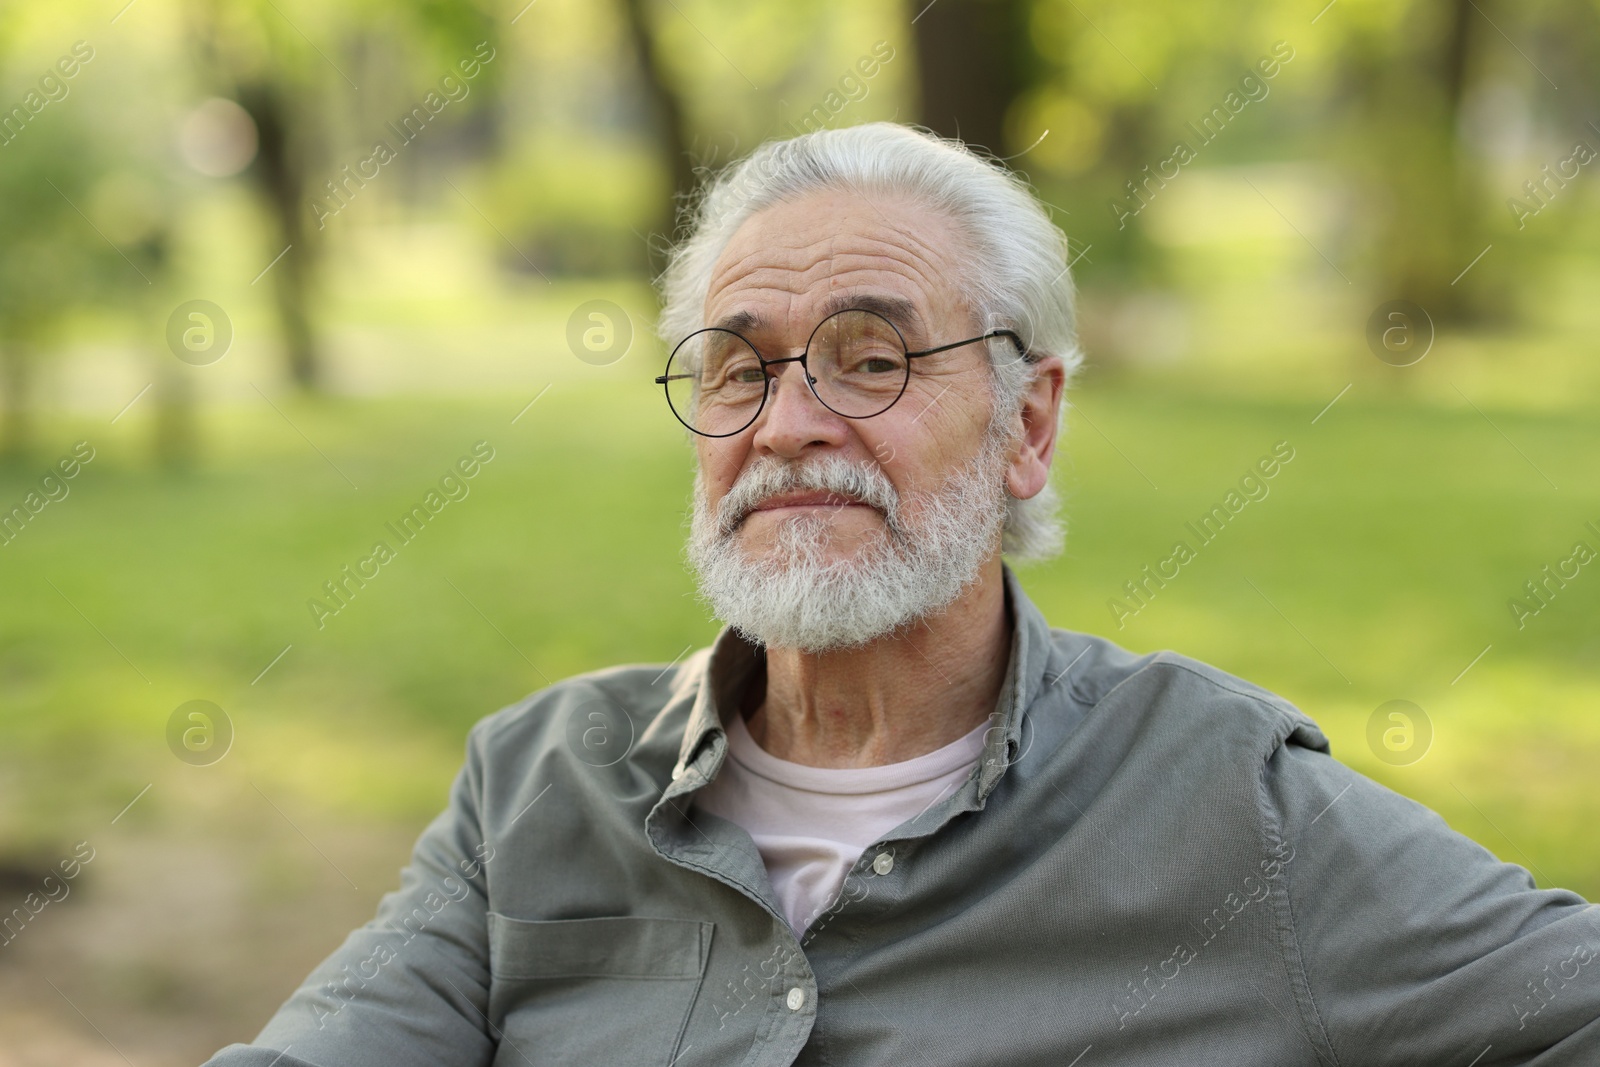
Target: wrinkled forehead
(789,265)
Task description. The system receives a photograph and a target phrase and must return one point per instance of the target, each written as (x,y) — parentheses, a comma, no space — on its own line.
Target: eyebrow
(897,309)
(740,320)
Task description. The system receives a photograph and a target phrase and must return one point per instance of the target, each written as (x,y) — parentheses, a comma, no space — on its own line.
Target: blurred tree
(1006,73)
(1383,96)
(668,117)
(135,202)
(53,261)
(259,54)
(974,59)
(284,158)
(251,52)
(1431,204)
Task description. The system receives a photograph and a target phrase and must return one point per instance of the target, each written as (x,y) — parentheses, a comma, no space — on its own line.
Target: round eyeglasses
(855,363)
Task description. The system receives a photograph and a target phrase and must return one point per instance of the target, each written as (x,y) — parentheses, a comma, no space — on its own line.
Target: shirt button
(797,997)
(884,863)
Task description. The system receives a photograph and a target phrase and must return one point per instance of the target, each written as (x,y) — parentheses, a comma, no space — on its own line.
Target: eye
(871,360)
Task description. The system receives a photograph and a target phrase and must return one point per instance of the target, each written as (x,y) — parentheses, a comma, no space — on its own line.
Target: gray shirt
(1154,862)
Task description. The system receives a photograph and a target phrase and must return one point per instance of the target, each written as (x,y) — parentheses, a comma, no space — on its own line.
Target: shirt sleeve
(411,986)
(1412,943)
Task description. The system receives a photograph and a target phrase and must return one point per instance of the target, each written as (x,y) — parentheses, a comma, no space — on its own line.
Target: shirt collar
(733,659)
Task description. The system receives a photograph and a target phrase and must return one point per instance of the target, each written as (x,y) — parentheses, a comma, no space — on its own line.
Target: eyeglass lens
(856,359)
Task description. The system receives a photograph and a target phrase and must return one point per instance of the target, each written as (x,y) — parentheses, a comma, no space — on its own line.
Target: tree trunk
(671,130)
(1458,50)
(279,171)
(1437,221)
(972,62)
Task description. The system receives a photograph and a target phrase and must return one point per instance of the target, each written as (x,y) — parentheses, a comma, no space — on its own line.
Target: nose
(793,419)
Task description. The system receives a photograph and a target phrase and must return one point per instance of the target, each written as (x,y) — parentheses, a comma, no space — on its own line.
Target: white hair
(1015,274)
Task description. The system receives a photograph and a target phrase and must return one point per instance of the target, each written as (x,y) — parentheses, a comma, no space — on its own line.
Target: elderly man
(891,816)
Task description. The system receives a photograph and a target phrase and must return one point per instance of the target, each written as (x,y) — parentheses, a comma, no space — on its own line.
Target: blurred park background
(418,225)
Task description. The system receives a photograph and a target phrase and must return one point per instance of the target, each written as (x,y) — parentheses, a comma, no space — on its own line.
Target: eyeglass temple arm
(1022,349)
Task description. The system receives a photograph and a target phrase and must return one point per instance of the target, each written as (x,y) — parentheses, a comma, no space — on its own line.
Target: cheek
(938,436)
(720,463)
(952,406)
(886,452)
(910,461)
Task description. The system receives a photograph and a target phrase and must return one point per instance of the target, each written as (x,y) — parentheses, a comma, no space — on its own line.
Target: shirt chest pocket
(598,992)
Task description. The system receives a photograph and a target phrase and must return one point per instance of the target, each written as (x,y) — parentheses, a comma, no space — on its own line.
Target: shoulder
(1172,692)
(610,706)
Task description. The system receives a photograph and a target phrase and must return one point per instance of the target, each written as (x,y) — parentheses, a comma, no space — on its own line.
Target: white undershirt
(811,824)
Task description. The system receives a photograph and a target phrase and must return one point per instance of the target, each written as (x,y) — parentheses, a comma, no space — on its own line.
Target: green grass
(1381,561)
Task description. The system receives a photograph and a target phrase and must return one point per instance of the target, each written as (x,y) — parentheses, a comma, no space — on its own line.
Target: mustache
(768,476)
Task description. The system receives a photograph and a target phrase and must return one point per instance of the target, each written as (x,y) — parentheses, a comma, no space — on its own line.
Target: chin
(816,579)
(804,534)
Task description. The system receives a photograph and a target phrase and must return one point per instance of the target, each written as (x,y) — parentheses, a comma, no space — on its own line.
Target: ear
(1029,470)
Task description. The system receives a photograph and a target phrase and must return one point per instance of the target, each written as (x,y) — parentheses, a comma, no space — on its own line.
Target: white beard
(927,555)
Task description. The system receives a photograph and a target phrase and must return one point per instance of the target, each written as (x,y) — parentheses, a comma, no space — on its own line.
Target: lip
(808,500)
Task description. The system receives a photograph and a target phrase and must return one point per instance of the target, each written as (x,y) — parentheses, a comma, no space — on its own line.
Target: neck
(895,698)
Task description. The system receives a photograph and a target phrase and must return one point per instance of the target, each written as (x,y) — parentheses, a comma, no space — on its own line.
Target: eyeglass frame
(811,381)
